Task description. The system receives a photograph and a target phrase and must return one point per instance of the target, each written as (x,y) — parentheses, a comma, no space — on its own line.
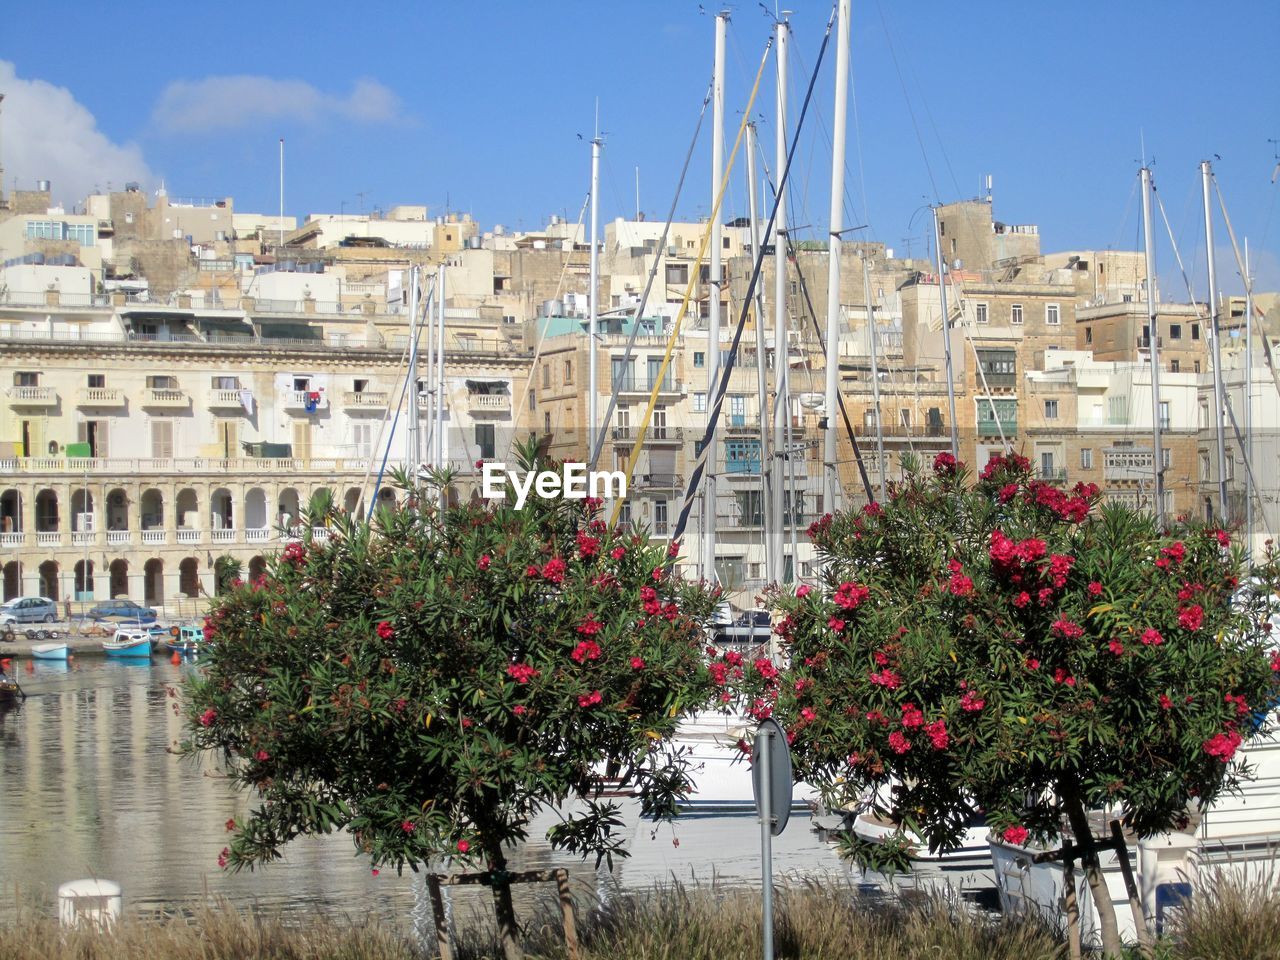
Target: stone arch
(83,579)
(222,514)
(257,568)
(189,577)
(11,511)
(256,514)
(81,504)
(118,509)
(152,516)
(119,583)
(353,500)
(12,579)
(47,511)
(49,579)
(153,581)
(188,507)
(288,507)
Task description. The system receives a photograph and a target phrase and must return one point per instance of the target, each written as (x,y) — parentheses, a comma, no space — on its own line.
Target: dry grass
(1230,918)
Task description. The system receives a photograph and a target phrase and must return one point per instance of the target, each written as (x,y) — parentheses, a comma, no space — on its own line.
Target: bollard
(97,903)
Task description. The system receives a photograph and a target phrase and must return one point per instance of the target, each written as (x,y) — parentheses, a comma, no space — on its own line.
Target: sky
(488,107)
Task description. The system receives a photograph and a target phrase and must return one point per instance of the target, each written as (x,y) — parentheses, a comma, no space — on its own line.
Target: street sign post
(771,784)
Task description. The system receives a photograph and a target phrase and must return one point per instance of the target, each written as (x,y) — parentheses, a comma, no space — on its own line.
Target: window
(750,505)
(737,410)
(1015,314)
(1088,334)
(300,384)
(742,456)
(568,372)
(1174,366)
(1195,331)
(533,399)
(980,312)
(1197,366)
(546,423)
(1051,409)
(26,379)
(998,367)
(357,386)
(485,440)
(624,514)
(659,423)
(1164,414)
(677,273)
(233,383)
(1166,457)
(725,243)
(1046,465)
(1126,298)
(660,518)
(227,434)
(623,374)
(699,403)
(1052,314)
(699,358)
(171,383)
(1175,331)
(161,439)
(904,417)
(362,439)
(546,376)
(1086,458)
(97,381)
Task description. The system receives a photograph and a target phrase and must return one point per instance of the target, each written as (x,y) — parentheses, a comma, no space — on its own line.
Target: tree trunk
(1093,873)
(508,930)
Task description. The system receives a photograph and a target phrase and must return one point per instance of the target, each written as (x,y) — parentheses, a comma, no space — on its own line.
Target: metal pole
(762,385)
(414,452)
(764,739)
(281,224)
(428,314)
(946,334)
(1206,175)
(593,296)
(713,294)
(1248,401)
(1157,449)
(830,472)
(780,362)
(875,372)
(441,399)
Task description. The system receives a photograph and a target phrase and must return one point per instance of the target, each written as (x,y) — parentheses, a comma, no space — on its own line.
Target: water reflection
(90,790)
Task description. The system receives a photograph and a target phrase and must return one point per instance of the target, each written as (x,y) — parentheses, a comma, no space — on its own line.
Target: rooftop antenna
(988,189)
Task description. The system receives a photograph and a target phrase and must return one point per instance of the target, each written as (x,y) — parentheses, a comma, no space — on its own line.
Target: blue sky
(478,107)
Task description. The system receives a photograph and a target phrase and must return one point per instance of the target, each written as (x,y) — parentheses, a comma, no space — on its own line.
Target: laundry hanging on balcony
(312,401)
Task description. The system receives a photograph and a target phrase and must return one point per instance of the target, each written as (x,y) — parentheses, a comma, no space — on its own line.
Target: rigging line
(915,125)
(643,430)
(727,371)
(517,404)
(862,167)
(648,286)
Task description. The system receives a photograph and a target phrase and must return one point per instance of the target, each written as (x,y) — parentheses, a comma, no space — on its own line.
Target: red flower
(808,714)
(262,756)
(1275,661)
(637,663)
(1191,617)
(483,562)
(1115,646)
(897,742)
(519,709)
(231,825)
(945,465)
(673,550)
(872,509)
(408,826)
(1223,745)
(1223,539)
(803,590)
(553,570)
(938,736)
(521,672)
(1095,588)
(479,464)
(590,626)
(850,595)
(1022,599)
(971,703)
(961,585)
(1151,637)
(764,666)
(1007,492)
(886,678)
(1067,629)
(1016,835)
(1061,676)
(464,846)
(1031,663)
(1242,706)
(912,716)
(588,545)
(618,553)
(836,624)
(589,699)
(586,650)
(208,717)
(385,630)
(1165,702)
(374,872)
(531,570)
(223,857)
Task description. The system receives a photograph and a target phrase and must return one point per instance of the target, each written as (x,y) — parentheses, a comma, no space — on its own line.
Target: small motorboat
(187,639)
(49,651)
(129,642)
(10,692)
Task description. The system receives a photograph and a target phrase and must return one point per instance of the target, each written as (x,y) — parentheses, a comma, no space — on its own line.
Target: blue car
(122,610)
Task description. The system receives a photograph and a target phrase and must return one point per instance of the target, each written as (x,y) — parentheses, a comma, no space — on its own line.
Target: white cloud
(228,102)
(49,135)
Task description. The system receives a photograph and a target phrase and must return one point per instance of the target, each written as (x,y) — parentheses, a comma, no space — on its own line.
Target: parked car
(29,610)
(122,610)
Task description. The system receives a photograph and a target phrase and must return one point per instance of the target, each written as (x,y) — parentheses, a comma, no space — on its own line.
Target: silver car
(29,610)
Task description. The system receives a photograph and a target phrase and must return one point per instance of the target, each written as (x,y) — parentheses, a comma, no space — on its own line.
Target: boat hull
(50,651)
(136,649)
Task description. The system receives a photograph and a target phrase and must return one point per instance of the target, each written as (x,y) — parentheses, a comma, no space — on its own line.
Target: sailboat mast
(413,454)
(762,381)
(830,473)
(781,365)
(1206,175)
(946,334)
(593,424)
(1157,465)
(713,293)
(1248,400)
(439,384)
(875,371)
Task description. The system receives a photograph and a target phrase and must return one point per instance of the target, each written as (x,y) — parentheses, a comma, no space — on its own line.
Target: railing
(119,536)
(365,399)
(153,536)
(82,538)
(224,398)
(654,433)
(646,385)
(123,466)
(49,538)
(989,428)
(308,400)
(489,402)
(1128,466)
(222,536)
(1005,380)
(42,396)
(189,536)
(261,535)
(1055,475)
(164,398)
(12,539)
(101,397)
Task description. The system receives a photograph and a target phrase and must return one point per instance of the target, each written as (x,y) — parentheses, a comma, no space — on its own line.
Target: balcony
(365,400)
(738,423)
(117,538)
(101,397)
(13,539)
(50,538)
(658,481)
(227,399)
(1131,466)
(645,385)
(998,381)
(222,536)
(261,535)
(32,397)
(489,403)
(988,427)
(165,399)
(305,401)
(153,536)
(654,434)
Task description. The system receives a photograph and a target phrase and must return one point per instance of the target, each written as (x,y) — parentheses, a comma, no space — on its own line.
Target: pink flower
(1223,745)
(519,709)
(223,857)
(912,716)
(1190,618)
(618,553)
(836,624)
(464,847)
(1151,637)
(898,743)
(937,733)
(521,672)
(408,826)
(208,717)
(850,595)
(586,650)
(637,663)
(1095,588)
(886,678)
(808,714)
(1017,835)
(971,703)
(1115,646)
(483,562)
(803,590)
(590,626)
(262,756)
(1165,702)
(589,699)
(553,570)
